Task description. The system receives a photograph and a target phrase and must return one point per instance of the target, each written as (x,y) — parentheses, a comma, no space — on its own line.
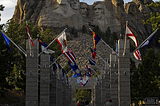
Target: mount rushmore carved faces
(75,4)
(84,9)
(98,10)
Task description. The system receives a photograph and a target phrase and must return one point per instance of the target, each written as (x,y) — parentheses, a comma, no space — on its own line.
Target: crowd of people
(83,103)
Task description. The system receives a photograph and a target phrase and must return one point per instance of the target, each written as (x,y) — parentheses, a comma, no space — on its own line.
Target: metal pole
(14,44)
(52,42)
(145,40)
(106,44)
(55,60)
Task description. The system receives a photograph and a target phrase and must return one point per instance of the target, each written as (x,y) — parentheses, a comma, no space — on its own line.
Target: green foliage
(1,9)
(47,36)
(146,78)
(83,94)
(14,62)
(12,97)
(154,19)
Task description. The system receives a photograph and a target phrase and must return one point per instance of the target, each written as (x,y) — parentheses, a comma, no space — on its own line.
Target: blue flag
(148,41)
(75,68)
(54,65)
(6,40)
(75,75)
(117,48)
(59,67)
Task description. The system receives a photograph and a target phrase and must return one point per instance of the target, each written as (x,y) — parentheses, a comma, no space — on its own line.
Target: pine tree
(145,81)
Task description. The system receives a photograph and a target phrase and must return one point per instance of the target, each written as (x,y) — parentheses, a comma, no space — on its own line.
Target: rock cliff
(72,13)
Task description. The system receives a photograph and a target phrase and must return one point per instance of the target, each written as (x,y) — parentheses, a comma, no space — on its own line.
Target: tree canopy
(1,9)
(145,79)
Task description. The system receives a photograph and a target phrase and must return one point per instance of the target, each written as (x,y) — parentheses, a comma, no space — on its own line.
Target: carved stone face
(98,10)
(63,2)
(84,9)
(75,4)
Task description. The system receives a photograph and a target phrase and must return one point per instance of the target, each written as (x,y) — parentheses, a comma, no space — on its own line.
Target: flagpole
(101,58)
(125,39)
(93,70)
(96,65)
(145,40)
(52,42)
(69,71)
(55,60)
(103,61)
(22,49)
(91,84)
(14,44)
(106,44)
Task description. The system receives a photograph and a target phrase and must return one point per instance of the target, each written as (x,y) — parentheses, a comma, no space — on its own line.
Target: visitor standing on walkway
(109,103)
(86,102)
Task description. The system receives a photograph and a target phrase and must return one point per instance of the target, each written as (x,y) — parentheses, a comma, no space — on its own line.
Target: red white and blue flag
(137,55)
(89,70)
(29,36)
(75,69)
(70,55)
(81,82)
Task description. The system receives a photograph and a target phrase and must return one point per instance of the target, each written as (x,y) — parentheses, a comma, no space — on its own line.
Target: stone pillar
(53,89)
(92,96)
(114,79)
(59,95)
(98,94)
(107,83)
(69,93)
(45,80)
(103,91)
(73,97)
(124,94)
(64,89)
(32,73)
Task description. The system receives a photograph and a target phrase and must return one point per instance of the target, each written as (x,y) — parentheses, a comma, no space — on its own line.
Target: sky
(10,7)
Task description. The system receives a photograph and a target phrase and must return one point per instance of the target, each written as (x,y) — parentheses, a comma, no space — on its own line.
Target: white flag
(62,40)
(47,51)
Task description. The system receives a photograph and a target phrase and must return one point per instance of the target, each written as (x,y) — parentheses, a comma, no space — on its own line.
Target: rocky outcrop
(72,13)
(27,10)
(66,13)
